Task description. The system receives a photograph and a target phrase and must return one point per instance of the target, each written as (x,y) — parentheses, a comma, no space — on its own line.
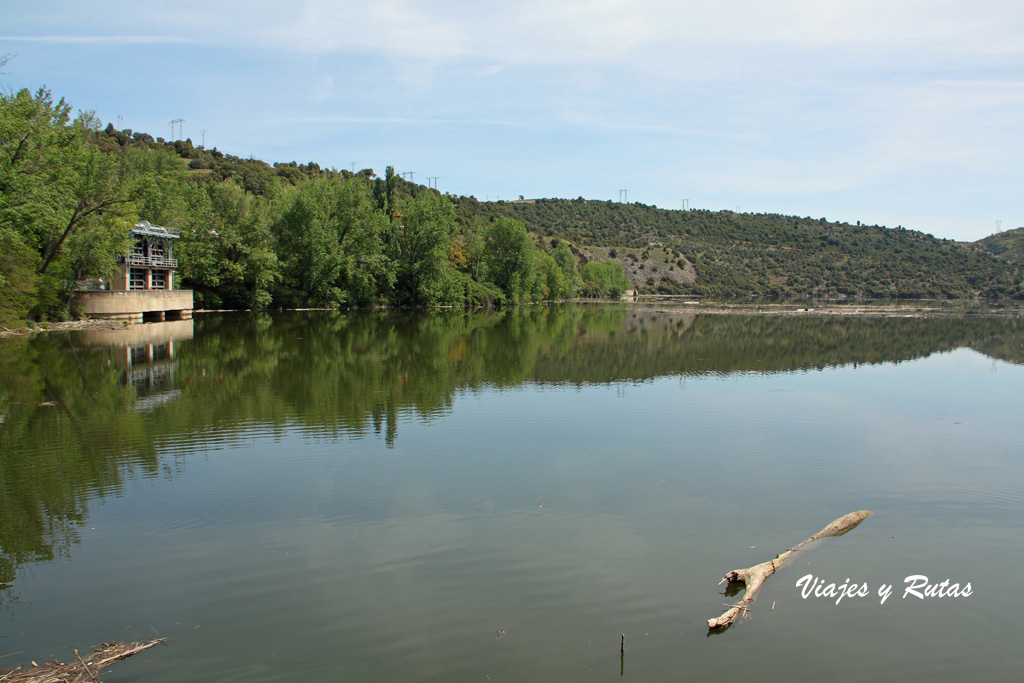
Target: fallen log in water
(83,670)
(753,577)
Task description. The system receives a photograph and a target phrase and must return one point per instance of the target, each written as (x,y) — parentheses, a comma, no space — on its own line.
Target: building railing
(152,261)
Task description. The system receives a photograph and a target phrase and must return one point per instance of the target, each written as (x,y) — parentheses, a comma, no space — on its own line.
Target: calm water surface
(499,496)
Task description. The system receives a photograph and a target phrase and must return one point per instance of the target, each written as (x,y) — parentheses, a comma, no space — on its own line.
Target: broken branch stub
(753,577)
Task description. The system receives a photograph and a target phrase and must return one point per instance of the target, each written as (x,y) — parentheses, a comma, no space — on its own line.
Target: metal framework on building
(150,264)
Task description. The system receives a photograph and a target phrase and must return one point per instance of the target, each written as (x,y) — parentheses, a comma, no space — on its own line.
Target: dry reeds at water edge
(82,670)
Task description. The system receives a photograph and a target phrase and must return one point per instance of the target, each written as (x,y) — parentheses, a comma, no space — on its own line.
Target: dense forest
(258,235)
(251,235)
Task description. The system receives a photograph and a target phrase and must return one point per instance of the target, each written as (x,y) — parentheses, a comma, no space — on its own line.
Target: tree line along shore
(254,235)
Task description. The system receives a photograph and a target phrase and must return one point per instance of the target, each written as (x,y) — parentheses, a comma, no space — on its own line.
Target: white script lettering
(811,585)
(917,582)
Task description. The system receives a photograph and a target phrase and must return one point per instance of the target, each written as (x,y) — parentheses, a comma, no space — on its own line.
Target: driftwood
(84,670)
(753,577)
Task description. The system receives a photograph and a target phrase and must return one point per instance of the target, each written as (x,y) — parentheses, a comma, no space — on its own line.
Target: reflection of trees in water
(71,430)
(68,434)
(653,344)
(1002,345)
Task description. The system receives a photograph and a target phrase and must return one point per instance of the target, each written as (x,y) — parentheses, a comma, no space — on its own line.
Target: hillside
(699,252)
(728,253)
(1008,245)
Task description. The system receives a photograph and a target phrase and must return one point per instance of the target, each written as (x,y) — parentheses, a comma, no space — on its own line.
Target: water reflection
(80,413)
(145,356)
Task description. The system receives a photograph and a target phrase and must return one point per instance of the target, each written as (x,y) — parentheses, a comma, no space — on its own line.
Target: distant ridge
(745,254)
(1008,245)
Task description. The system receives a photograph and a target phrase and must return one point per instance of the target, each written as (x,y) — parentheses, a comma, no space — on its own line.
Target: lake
(470,496)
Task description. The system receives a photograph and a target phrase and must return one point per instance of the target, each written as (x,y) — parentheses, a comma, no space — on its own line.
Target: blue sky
(895,112)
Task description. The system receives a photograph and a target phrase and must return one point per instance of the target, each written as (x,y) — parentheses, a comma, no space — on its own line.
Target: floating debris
(85,669)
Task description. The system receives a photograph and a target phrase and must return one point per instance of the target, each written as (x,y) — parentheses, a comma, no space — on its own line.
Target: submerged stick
(622,656)
(753,577)
(113,652)
(86,667)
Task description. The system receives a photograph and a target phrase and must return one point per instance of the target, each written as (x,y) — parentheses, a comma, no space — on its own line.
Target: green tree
(606,278)
(384,192)
(57,191)
(330,240)
(168,192)
(566,261)
(308,248)
(91,188)
(34,137)
(548,281)
(199,250)
(509,258)
(247,259)
(418,243)
(18,281)
(227,250)
(367,274)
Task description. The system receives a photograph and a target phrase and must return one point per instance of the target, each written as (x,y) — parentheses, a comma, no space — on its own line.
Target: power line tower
(623,196)
(120,122)
(432,182)
(999,226)
(203,133)
(178,122)
(686,205)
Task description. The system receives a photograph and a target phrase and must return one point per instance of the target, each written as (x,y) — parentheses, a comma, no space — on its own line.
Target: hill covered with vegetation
(251,234)
(728,253)
(1008,245)
(258,235)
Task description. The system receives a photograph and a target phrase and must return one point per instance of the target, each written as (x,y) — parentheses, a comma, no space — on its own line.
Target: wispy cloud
(737,98)
(396,28)
(99,40)
(566,120)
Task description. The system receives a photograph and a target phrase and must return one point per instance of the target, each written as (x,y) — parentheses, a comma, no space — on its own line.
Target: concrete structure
(136,306)
(143,288)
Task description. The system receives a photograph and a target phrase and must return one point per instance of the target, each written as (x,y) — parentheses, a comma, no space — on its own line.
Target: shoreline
(910,309)
(65,326)
(886,310)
